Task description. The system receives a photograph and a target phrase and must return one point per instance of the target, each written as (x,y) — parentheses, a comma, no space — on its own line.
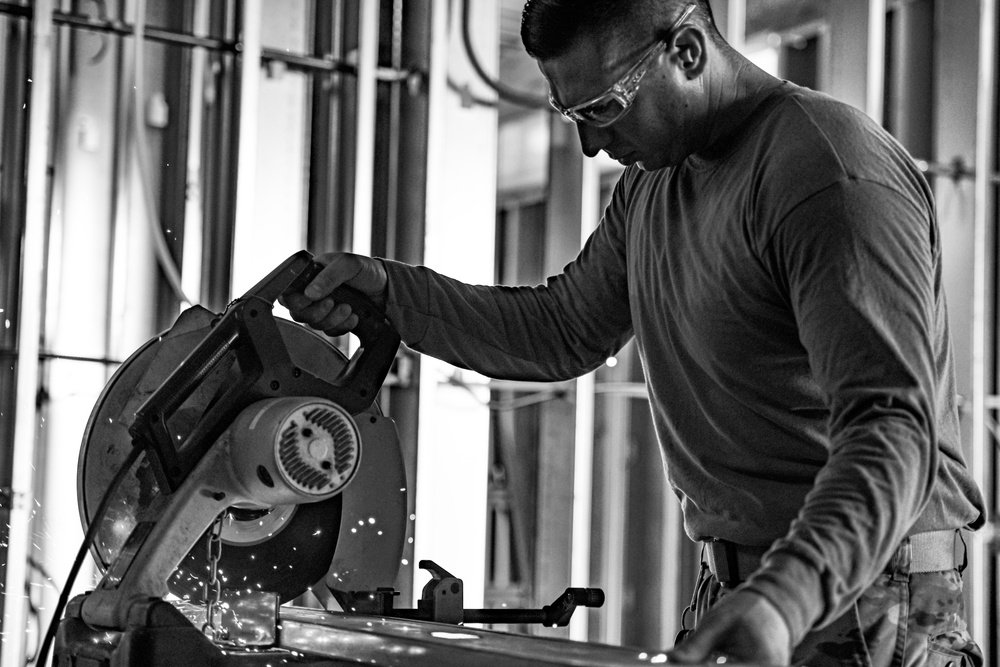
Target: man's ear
(692,55)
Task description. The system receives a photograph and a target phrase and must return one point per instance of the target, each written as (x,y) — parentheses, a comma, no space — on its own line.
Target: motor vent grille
(319,448)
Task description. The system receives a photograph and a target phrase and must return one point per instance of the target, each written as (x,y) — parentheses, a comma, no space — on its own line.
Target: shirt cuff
(794,588)
(405,286)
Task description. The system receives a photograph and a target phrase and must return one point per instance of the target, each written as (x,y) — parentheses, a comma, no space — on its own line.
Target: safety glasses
(612,104)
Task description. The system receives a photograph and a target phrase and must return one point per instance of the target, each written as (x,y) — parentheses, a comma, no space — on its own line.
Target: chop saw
(239,461)
(265,419)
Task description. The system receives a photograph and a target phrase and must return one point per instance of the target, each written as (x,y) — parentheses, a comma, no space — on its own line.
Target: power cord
(95,523)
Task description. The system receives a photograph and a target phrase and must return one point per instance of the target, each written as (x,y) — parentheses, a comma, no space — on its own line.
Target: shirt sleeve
(858,262)
(556,331)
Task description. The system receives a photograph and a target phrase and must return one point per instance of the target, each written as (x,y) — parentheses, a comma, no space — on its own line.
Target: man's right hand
(315,305)
(744,626)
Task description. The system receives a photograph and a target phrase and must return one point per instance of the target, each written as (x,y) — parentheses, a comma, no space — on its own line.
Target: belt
(932,551)
(732,563)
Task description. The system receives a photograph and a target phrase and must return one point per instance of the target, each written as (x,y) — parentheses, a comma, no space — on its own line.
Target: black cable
(33,613)
(95,522)
(505,92)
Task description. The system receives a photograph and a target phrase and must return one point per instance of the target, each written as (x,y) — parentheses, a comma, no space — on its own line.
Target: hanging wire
(544,391)
(533,398)
(505,92)
(141,145)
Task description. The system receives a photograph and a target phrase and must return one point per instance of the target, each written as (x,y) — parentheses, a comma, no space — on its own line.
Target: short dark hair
(550,27)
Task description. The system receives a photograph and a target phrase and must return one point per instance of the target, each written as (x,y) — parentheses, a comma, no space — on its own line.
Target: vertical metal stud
(249,118)
(984,317)
(29,330)
(368,37)
(583,442)
(875,80)
(15,43)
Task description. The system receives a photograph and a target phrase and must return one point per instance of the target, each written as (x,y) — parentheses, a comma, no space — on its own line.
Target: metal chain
(212,588)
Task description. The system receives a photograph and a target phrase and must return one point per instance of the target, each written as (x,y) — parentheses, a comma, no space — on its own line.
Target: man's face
(650,132)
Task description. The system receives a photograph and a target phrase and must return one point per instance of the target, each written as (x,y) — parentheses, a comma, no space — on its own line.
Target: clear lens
(602,111)
(612,105)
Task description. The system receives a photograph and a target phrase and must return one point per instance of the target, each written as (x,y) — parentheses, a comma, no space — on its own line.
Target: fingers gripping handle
(372,323)
(367,369)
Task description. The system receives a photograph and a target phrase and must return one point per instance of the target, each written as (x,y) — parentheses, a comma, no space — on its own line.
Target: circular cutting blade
(283,549)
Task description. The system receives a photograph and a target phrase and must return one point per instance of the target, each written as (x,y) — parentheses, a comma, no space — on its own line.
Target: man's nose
(592,139)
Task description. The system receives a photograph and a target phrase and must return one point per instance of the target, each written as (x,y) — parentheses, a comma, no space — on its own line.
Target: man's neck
(735,90)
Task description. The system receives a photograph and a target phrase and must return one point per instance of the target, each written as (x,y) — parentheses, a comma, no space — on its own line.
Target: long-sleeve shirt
(787,305)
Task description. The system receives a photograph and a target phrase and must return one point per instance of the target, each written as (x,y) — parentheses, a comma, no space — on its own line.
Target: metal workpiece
(393,642)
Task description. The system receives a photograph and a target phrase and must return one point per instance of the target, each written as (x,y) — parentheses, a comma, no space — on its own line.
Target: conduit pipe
(583,444)
(875,80)
(736,24)
(984,359)
(193,204)
(364,178)
(249,116)
(29,331)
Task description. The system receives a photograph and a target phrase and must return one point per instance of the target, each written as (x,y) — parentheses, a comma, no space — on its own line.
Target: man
(775,255)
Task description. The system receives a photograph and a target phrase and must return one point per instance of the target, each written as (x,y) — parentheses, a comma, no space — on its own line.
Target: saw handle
(368,367)
(366,370)
(371,319)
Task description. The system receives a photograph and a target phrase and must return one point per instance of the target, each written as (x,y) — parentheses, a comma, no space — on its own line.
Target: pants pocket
(870,634)
(953,650)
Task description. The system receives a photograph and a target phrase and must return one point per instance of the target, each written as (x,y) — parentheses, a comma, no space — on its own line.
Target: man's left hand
(744,627)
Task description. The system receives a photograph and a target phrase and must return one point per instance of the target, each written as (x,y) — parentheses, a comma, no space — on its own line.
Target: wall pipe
(15,42)
(583,442)
(192,253)
(13,135)
(29,331)
(984,330)
(249,116)
(736,24)
(309,64)
(406,242)
(120,28)
(221,140)
(364,157)
(875,81)
(908,112)
(325,179)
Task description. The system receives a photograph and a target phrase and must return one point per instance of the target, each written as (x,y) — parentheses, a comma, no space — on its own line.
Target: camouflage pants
(902,620)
